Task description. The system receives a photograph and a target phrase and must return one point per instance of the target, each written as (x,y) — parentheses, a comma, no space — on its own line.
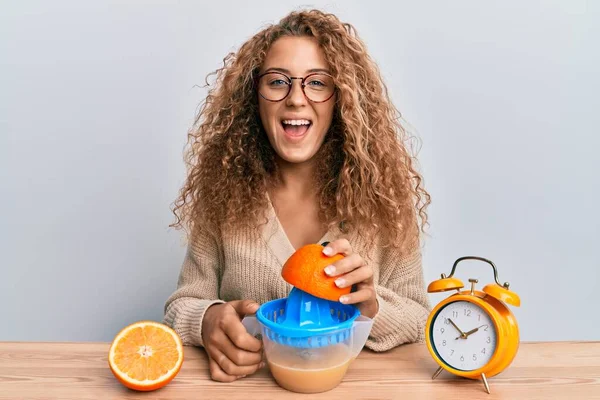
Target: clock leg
(437,372)
(485,383)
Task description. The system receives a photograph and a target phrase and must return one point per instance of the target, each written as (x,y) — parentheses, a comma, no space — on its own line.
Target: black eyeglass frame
(291,82)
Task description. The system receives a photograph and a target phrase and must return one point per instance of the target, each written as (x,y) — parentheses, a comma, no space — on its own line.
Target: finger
(362,294)
(230,368)
(217,374)
(244,307)
(345,265)
(213,349)
(239,356)
(339,246)
(236,332)
(363,274)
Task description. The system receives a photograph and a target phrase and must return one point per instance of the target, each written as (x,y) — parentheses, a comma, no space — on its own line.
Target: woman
(297,143)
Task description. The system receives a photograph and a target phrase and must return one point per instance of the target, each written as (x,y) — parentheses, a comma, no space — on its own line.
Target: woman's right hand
(232,352)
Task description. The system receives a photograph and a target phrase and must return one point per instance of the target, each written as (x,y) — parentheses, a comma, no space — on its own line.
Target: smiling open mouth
(296,127)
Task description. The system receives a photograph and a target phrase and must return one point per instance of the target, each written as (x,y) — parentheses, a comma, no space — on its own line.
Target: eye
(315,82)
(277,82)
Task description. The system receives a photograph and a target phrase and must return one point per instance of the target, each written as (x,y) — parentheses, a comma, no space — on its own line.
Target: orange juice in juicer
(309,342)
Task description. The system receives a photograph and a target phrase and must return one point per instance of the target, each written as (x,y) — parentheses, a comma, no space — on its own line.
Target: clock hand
(474,330)
(462,334)
(466,334)
(471,331)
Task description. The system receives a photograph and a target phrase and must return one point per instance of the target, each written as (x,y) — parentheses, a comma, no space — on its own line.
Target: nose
(296,96)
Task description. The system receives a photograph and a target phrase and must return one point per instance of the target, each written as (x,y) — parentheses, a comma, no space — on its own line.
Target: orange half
(146,355)
(305,270)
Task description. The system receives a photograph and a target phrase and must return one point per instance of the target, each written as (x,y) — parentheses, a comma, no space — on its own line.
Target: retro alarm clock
(473,333)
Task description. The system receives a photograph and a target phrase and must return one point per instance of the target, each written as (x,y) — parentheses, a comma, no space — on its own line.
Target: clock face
(463,336)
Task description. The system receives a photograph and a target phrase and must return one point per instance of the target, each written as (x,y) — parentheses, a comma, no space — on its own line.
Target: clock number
(446,321)
(479,317)
(474,357)
(488,340)
(483,350)
(442,330)
(455,314)
(452,352)
(467,312)
(486,328)
(462,358)
(444,343)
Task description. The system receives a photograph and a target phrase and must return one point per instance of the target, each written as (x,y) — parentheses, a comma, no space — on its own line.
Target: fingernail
(344,299)
(340,282)
(241,376)
(261,365)
(330,270)
(328,251)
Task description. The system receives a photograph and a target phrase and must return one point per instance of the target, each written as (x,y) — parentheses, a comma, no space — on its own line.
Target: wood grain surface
(555,370)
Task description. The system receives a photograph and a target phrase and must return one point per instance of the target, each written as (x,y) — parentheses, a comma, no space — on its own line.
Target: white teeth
(296,122)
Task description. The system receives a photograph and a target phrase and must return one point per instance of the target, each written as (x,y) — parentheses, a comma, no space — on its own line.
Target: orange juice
(309,370)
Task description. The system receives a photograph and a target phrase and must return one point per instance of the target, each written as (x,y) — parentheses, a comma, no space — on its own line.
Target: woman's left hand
(353,270)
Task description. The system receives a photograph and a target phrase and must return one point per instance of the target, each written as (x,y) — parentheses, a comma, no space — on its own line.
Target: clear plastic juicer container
(309,342)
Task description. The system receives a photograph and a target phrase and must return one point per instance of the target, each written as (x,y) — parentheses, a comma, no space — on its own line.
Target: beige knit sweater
(247,265)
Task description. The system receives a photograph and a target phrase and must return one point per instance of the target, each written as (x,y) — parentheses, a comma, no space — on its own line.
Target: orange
(146,355)
(305,269)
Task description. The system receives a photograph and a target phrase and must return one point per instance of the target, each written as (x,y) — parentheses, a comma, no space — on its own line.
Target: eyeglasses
(276,86)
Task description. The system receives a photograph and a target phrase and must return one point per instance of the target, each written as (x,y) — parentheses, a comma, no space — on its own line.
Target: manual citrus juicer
(309,342)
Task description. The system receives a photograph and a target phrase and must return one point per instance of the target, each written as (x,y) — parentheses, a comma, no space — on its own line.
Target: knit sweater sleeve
(197,289)
(403,302)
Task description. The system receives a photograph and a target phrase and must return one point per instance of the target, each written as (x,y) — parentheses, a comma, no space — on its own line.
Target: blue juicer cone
(303,320)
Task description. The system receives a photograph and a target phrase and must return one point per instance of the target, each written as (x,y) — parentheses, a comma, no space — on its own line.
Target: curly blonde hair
(366,176)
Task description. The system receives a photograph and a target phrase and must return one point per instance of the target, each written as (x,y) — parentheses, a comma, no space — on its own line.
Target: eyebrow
(287,71)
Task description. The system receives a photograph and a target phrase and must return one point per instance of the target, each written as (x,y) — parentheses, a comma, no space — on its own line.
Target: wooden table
(557,370)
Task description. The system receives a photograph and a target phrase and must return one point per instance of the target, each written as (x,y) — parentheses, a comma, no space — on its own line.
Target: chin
(295,160)
(295,157)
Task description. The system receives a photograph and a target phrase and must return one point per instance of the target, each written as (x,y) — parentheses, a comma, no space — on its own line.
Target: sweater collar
(276,238)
